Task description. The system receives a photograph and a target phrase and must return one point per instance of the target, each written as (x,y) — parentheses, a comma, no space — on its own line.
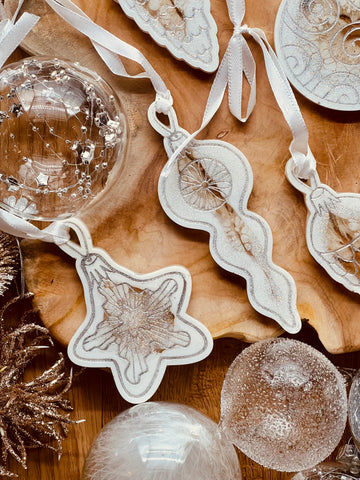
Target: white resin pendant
(207,187)
(333,228)
(185,27)
(317,43)
(135,325)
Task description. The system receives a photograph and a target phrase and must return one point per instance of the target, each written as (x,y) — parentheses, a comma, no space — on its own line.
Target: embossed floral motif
(205,184)
(136,323)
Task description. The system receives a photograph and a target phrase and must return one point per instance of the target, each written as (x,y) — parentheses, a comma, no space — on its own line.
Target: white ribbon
(237,62)
(11,33)
(109,47)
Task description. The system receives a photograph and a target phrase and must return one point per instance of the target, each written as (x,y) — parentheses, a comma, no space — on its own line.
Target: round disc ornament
(159,440)
(62,130)
(317,42)
(283,404)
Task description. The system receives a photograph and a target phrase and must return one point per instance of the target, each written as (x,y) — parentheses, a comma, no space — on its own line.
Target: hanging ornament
(206,186)
(159,440)
(318,46)
(135,324)
(283,404)
(185,27)
(62,131)
(33,413)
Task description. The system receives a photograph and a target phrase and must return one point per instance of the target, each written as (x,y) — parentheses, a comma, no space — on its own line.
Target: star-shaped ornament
(135,325)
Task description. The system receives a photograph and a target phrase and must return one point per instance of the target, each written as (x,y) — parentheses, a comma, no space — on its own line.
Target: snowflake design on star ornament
(135,325)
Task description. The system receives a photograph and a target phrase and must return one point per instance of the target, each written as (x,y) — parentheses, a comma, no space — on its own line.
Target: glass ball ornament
(283,404)
(325,471)
(354,409)
(62,131)
(161,441)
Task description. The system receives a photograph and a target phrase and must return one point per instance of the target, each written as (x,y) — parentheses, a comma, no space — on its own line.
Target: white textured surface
(283,404)
(161,441)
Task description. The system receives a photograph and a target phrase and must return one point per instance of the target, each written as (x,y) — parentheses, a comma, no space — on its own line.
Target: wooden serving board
(127,219)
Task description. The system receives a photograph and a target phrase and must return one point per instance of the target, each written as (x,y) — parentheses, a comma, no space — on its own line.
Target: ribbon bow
(238,62)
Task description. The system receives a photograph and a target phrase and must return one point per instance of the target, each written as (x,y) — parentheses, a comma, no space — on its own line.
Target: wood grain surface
(127,219)
(95,399)
(137,234)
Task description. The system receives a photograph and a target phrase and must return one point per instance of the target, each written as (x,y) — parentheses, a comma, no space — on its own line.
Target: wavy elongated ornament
(207,187)
(135,325)
(332,229)
(185,27)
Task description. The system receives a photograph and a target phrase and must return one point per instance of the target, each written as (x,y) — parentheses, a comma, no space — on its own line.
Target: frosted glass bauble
(62,130)
(283,404)
(161,441)
(354,409)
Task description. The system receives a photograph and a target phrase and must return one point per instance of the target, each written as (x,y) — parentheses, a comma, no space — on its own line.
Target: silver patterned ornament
(207,187)
(185,27)
(317,42)
(333,228)
(136,325)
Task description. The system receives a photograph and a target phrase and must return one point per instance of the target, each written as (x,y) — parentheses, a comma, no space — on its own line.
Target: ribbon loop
(163,103)
(108,46)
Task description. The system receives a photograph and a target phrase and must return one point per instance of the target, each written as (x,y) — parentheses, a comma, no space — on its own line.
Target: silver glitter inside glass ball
(283,404)
(59,124)
(158,441)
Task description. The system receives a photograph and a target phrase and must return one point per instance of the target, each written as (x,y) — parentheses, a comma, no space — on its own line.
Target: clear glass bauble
(283,404)
(62,130)
(161,441)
